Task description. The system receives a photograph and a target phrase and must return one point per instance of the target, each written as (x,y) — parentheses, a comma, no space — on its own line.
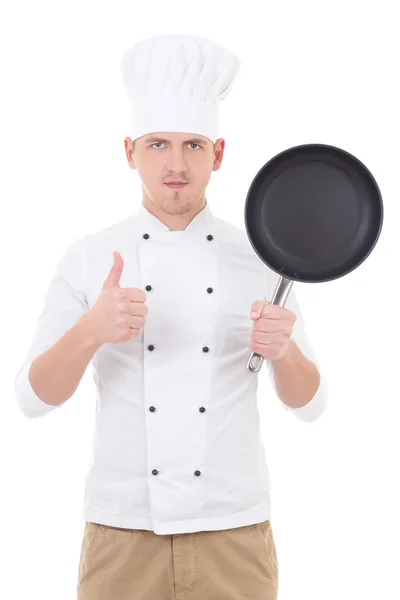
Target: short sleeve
(64,303)
(317,404)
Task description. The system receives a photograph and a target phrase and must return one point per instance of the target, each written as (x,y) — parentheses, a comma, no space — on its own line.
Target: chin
(176,205)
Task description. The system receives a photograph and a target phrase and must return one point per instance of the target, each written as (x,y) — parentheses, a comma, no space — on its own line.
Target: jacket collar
(204,222)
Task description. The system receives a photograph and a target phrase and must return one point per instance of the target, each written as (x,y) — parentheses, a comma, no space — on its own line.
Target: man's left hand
(272,329)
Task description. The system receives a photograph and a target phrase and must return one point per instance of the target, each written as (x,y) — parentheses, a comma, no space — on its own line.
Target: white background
(311,72)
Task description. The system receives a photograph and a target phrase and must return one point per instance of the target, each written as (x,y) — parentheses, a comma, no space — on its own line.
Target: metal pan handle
(279,297)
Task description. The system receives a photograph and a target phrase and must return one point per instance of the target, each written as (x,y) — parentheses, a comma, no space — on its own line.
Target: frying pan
(313,213)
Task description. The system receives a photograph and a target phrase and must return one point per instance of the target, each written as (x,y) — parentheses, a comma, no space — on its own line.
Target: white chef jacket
(177,445)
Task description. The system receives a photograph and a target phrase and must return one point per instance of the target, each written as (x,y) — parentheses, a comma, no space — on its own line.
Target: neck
(178,218)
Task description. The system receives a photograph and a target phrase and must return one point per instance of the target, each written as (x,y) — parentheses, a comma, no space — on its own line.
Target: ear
(218,153)
(129,151)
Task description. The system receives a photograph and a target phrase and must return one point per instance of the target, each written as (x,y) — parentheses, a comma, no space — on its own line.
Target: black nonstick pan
(313,213)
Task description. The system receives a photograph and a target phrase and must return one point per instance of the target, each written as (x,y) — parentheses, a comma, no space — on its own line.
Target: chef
(168,305)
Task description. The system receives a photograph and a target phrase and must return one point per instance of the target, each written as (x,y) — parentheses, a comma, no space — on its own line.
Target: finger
(257,308)
(136,322)
(260,337)
(274,311)
(273,325)
(114,275)
(137,308)
(135,294)
(267,351)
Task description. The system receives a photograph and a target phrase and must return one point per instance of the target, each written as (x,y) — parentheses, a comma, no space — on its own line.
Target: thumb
(114,276)
(257,308)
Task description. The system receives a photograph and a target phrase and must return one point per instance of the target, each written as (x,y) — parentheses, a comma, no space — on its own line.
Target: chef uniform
(177,447)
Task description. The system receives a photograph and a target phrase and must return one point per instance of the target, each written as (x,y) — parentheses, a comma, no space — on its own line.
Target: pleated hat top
(175,83)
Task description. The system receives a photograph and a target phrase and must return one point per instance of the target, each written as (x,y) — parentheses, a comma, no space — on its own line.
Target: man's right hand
(118,313)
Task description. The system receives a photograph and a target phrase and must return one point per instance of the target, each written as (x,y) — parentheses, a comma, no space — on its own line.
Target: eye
(158,143)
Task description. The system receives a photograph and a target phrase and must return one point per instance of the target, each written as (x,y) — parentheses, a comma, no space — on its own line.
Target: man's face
(162,158)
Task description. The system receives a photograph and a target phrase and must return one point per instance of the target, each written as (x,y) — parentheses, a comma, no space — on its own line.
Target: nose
(176,162)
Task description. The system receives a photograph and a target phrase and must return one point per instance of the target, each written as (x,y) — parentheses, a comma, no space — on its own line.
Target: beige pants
(134,564)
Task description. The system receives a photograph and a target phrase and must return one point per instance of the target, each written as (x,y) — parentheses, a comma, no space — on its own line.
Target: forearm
(55,374)
(296,377)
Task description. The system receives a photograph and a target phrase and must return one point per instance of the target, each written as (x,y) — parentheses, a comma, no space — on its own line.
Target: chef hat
(175,82)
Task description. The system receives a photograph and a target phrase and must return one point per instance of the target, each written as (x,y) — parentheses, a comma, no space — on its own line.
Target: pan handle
(279,298)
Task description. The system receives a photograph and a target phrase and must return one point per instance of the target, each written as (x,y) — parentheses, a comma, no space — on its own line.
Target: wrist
(87,331)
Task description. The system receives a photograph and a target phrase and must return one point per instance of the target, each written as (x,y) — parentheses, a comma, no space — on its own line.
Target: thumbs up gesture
(118,313)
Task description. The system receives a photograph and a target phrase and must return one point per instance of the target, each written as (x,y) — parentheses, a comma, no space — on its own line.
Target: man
(177,501)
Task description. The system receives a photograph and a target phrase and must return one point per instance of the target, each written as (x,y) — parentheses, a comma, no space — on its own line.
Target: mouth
(176,185)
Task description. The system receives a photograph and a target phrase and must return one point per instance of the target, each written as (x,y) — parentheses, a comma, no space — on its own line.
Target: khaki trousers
(135,564)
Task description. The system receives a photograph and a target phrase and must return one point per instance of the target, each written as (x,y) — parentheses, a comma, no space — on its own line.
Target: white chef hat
(175,82)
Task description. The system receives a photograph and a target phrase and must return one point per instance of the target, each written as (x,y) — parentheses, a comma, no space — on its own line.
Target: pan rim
(348,157)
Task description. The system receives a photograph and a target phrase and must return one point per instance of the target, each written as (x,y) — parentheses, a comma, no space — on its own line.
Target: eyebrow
(191,141)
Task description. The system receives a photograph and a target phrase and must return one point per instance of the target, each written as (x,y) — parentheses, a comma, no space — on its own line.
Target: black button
(205,349)
(209,290)
(210,237)
(151,347)
(154,471)
(197,473)
(202,409)
(146,236)
(148,287)
(152,408)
